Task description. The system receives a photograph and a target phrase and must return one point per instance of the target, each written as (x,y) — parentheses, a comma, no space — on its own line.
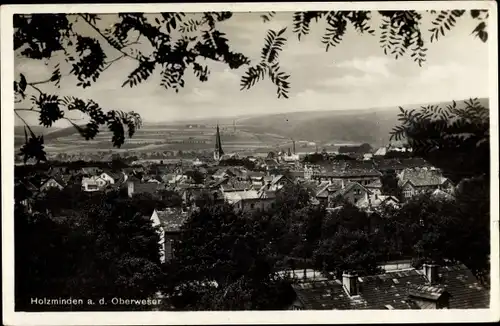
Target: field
(322,129)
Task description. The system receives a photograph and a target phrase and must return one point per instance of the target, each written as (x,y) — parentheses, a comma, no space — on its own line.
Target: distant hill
(323,127)
(356,126)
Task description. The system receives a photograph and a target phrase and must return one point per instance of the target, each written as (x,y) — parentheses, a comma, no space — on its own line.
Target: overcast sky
(355,74)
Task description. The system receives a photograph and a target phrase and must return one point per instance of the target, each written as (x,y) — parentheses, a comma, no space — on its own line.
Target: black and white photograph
(257,158)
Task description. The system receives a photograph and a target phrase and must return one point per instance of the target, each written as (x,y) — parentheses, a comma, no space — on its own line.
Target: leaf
(475,13)
(140,74)
(22,83)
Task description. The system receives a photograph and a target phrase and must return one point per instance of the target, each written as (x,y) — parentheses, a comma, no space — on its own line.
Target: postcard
(247,163)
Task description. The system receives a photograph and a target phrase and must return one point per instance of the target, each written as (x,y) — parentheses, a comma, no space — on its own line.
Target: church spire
(218,152)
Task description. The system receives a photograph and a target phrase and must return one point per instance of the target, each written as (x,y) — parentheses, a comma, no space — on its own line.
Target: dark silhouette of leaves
(50,112)
(445,21)
(335,30)
(91,61)
(267,17)
(302,20)
(140,74)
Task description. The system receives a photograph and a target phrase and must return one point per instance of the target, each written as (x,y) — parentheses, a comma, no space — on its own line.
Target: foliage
(219,245)
(443,231)
(448,137)
(390,185)
(196,175)
(347,250)
(105,250)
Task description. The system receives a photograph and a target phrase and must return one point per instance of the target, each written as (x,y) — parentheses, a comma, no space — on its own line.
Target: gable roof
(115,175)
(327,188)
(237,196)
(393,289)
(375,202)
(172,220)
(440,194)
(57,179)
(349,186)
(421,177)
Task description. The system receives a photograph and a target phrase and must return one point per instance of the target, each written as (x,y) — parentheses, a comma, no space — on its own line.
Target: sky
(354,75)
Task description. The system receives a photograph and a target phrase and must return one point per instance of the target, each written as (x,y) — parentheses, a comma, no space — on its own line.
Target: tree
(454,138)
(106,250)
(42,36)
(347,250)
(292,197)
(222,246)
(196,175)
(390,185)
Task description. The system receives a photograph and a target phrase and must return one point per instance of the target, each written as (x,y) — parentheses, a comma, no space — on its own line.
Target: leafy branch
(269,63)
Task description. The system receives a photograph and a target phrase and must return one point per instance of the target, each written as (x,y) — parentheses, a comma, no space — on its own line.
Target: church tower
(218,152)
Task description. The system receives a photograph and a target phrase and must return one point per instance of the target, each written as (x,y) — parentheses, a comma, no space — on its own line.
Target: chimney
(350,282)
(431,272)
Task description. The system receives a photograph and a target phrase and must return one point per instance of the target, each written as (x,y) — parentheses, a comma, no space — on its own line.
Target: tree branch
(71,120)
(38,89)
(105,38)
(112,61)
(24,121)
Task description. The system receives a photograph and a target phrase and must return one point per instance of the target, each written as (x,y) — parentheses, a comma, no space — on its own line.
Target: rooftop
(393,289)
(421,177)
(172,220)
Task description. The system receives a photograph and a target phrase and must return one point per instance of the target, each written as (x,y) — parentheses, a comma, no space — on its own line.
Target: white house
(93,183)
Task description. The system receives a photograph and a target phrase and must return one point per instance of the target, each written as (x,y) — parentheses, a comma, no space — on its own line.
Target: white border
(180,318)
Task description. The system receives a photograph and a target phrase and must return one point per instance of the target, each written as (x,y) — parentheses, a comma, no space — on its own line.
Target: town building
(418,181)
(169,223)
(218,152)
(431,287)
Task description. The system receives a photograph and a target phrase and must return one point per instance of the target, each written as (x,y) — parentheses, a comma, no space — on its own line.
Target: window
(252,206)
(407,193)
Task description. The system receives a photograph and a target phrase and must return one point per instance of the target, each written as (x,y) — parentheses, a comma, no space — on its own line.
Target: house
(442,195)
(375,187)
(52,182)
(351,192)
(308,172)
(135,186)
(325,189)
(431,287)
(250,200)
(276,183)
(94,183)
(414,182)
(113,177)
(169,223)
(256,178)
(373,202)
